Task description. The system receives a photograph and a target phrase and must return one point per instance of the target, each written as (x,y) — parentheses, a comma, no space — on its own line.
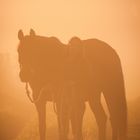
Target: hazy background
(116,22)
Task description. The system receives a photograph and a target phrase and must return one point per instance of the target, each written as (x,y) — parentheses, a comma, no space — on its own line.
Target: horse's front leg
(63,121)
(41,109)
(77,114)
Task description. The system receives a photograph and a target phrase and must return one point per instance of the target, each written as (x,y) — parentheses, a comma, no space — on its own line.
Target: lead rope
(38,98)
(28,93)
(29,96)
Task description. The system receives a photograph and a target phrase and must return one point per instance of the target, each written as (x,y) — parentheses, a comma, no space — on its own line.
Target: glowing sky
(116,22)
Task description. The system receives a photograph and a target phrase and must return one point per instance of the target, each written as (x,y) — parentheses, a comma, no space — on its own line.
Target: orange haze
(113,21)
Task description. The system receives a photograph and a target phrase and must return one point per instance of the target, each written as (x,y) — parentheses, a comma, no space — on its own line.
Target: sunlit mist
(116,22)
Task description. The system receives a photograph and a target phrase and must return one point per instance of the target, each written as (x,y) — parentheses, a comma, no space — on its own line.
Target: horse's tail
(116,98)
(121,103)
(122,111)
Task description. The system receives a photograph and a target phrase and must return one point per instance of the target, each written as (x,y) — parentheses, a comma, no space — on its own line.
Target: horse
(105,77)
(41,67)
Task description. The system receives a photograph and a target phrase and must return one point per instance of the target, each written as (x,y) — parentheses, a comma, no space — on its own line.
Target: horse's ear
(20,35)
(32,32)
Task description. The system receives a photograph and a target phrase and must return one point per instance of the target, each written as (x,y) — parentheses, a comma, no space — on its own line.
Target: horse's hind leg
(114,127)
(117,108)
(100,116)
(111,103)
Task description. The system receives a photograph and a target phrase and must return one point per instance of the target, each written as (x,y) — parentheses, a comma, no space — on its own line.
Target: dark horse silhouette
(71,74)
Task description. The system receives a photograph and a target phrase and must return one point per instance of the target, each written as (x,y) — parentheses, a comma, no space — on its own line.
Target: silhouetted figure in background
(70,75)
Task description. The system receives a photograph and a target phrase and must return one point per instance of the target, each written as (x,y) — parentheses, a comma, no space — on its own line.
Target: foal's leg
(100,116)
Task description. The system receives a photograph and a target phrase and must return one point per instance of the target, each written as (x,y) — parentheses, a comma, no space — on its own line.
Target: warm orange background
(116,22)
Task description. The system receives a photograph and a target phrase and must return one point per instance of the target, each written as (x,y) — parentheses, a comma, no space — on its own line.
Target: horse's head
(24,55)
